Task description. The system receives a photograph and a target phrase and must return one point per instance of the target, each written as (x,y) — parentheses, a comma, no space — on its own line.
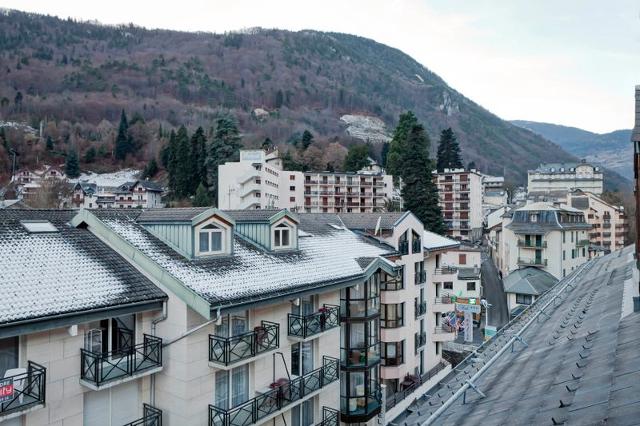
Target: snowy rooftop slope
(325,257)
(433,241)
(108,180)
(43,274)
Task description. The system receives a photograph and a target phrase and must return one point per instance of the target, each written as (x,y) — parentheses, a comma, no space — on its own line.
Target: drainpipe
(154,323)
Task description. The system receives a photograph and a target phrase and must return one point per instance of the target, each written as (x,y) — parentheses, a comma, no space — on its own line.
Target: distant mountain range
(612,150)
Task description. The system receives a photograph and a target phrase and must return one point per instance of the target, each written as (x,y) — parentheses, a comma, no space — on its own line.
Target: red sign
(6,390)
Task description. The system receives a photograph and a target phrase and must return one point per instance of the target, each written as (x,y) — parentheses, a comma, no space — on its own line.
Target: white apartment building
(136,194)
(555,178)
(460,199)
(203,316)
(458,273)
(609,223)
(258,181)
(551,238)
(29,181)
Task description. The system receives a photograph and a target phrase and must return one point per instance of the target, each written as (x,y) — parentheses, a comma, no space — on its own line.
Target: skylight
(38,226)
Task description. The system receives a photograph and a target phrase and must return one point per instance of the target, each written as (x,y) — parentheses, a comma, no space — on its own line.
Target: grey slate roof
(529,280)
(44,274)
(254,215)
(581,366)
(362,221)
(581,203)
(468,273)
(183,214)
(328,255)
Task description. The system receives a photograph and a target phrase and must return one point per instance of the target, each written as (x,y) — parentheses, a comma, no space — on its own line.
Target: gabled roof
(368,221)
(433,241)
(63,272)
(529,280)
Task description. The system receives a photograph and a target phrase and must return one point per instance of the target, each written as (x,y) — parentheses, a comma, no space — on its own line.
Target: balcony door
(302,414)
(538,257)
(112,407)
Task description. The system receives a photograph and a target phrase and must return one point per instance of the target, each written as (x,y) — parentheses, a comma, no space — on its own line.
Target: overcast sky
(571,62)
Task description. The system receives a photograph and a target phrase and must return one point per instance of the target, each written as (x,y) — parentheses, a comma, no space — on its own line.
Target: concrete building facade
(460,199)
(558,177)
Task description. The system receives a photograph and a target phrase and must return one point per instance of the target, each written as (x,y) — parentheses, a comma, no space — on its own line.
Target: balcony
(532,244)
(305,326)
(420,309)
(270,403)
(582,243)
(227,351)
(446,270)
(532,262)
(420,340)
(444,304)
(403,247)
(362,407)
(606,225)
(420,277)
(416,246)
(151,417)
(28,391)
(444,333)
(330,417)
(392,283)
(416,382)
(106,369)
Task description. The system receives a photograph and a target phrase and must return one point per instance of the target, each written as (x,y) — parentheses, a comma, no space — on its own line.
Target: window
(392,353)
(447,285)
(523,299)
(302,414)
(564,237)
(292,199)
(292,177)
(391,316)
(282,236)
(462,259)
(232,393)
(471,286)
(210,239)
(534,218)
(292,188)
(564,255)
(8,354)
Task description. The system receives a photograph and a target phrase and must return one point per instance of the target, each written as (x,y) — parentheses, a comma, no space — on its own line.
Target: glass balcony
(28,390)
(361,357)
(304,326)
(420,309)
(391,283)
(330,417)
(151,417)
(361,407)
(271,402)
(229,350)
(99,369)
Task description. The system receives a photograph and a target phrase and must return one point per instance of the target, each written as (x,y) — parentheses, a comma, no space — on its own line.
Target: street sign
(462,307)
(6,389)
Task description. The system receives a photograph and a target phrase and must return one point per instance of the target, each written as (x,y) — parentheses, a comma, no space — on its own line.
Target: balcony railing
(330,417)
(420,277)
(403,247)
(420,308)
(443,329)
(532,244)
(582,243)
(416,382)
(362,406)
(229,350)
(416,246)
(100,368)
(421,340)
(28,390)
(151,417)
(304,326)
(532,262)
(445,300)
(446,270)
(274,400)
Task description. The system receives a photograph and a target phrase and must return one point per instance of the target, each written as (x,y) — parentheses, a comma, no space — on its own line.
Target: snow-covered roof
(70,270)
(369,221)
(328,256)
(433,241)
(109,180)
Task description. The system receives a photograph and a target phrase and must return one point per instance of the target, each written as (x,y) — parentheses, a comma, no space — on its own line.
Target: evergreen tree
(225,146)
(184,166)
(169,154)
(307,139)
(49,144)
(397,145)
(90,155)
(419,192)
(357,158)
(124,143)
(448,151)
(71,165)
(471,165)
(267,144)
(198,158)
(151,169)
(384,153)
(203,197)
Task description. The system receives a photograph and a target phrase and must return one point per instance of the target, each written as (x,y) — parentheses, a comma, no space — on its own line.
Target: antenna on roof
(377,226)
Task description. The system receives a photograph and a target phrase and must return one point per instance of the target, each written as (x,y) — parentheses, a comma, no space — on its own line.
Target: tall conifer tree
(397,145)
(184,166)
(225,146)
(448,156)
(124,144)
(198,158)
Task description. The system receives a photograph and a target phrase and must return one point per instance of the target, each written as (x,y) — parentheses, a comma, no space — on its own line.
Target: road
(494,293)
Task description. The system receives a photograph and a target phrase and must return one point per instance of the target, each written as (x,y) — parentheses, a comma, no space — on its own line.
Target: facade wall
(346,193)
(610,223)
(584,177)
(460,199)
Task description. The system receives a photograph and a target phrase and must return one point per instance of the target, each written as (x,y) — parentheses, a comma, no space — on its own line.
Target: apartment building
(411,356)
(28,181)
(258,181)
(460,199)
(554,178)
(458,272)
(555,239)
(609,223)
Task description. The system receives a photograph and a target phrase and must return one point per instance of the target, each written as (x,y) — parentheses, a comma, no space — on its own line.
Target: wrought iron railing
(532,244)
(229,350)
(100,368)
(420,308)
(532,262)
(330,417)
(420,277)
(416,382)
(304,326)
(421,340)
(416,246)
(151,417)
(272,401)
(403,247)
(28,389)
(445,270)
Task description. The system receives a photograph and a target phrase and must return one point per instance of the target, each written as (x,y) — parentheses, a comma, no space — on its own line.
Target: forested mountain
(612,149)
(72,80)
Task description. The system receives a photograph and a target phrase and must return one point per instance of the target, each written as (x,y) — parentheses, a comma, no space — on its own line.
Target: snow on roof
(43,274)
(329,256)
(433,241)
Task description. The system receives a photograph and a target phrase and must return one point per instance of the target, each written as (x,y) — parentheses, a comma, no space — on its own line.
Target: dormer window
(210,240)
(281,236)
